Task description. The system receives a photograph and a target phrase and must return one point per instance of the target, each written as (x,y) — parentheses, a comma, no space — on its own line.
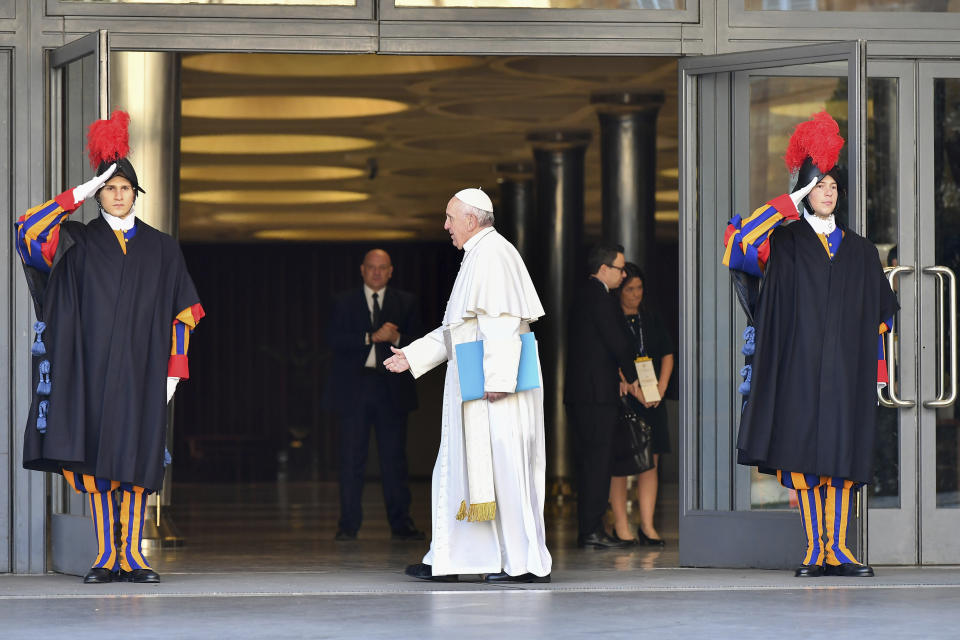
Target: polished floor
(260,562)
(291,526)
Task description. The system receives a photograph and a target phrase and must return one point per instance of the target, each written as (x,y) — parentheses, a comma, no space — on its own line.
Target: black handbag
(639,436)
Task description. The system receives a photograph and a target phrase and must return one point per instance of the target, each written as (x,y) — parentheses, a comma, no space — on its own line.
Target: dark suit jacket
(598,344)
(346,334)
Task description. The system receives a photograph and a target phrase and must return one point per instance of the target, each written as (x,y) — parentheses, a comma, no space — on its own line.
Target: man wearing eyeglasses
(598,345)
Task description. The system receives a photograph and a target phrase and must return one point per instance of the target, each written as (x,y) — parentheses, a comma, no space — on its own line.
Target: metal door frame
(893,532)
(939,543)
(709,148)
(71,546)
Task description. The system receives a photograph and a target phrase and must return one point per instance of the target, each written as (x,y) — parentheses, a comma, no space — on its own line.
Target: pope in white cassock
(488,481)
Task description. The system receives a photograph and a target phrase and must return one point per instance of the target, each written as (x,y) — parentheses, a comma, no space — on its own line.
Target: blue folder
(470,367)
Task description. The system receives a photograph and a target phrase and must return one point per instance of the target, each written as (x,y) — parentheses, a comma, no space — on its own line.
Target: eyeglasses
(620,269)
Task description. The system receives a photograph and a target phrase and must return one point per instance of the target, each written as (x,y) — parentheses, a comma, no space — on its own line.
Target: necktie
(376,311)
(379,349)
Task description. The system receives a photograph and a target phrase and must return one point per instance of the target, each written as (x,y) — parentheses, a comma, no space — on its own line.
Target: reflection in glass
(545,4)
(777,105)
(934,6)
(882,221)
(946,187)
(292,3)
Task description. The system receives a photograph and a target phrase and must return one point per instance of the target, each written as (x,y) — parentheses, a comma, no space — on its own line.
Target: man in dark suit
(364,323)
(598,346)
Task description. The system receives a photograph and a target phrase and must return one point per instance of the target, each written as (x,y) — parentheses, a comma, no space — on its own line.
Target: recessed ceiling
(309,65)
(403,133)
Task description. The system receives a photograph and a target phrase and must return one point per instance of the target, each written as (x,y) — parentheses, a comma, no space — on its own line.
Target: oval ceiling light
(266,173)
(288,107)
(314,65)
(313,219)
(334,235)
(270,143)
(273,196)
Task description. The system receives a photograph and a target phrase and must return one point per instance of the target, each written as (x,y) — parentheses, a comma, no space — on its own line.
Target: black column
(559,202)
(628,148)
(516,213)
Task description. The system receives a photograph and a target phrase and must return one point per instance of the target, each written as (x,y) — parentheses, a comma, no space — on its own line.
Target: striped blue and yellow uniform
(111,501)
(747,249)
(37,239)
(825,502)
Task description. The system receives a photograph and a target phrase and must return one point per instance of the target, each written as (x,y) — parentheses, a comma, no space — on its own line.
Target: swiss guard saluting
(115,307)
(814,357)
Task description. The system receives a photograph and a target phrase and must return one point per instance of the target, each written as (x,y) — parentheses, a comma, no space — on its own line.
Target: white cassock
(493,300)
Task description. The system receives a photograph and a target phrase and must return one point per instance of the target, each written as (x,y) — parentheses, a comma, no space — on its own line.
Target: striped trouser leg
(839,494)
(133,506)
(810,499)
(102,512)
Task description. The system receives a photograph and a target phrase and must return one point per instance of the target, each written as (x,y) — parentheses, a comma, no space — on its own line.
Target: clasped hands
(398,363)
(389,332)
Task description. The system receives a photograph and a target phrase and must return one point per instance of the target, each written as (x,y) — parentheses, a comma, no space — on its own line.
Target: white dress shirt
(371,362)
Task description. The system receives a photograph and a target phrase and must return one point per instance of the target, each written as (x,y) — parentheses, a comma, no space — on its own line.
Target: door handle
(895,401)
(946,299)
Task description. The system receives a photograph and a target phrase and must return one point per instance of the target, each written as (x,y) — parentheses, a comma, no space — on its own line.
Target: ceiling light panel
(269,143)
(267,173)
(288,107)
(273,196)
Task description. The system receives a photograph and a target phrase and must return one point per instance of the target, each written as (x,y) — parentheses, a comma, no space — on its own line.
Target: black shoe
(99,576)
(809,571)
(408,532)
(650,542)
(142,576)
(501,577)
(849,570)
(632,542)
(345,536)
(425,572)
(600,540)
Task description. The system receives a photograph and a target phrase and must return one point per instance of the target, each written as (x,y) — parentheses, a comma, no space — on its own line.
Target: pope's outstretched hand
(397,363)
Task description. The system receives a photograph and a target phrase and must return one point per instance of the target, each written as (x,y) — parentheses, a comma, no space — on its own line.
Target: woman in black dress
(651,339)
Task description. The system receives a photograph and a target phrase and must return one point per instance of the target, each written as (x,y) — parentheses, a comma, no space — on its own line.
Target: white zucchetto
(475,198)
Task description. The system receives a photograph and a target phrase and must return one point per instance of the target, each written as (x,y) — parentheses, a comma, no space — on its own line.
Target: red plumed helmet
(109,140)
(817,138)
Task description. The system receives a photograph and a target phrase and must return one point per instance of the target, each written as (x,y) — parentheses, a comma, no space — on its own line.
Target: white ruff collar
(120,224)
(820,225)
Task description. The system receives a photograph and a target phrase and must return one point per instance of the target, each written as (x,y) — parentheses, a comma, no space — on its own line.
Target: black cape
(812,404)
(109,320)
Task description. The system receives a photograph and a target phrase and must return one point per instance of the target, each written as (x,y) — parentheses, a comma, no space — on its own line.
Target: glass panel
(671,5)
(882,222)
(933,6)
(292,3)
(946,188)
(777,106)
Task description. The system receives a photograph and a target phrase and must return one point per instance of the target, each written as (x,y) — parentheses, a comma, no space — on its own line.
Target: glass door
(938,259)
(737,113)
(79,95)
(891,218)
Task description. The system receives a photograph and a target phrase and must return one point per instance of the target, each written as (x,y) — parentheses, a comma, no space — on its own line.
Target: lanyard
(636,326)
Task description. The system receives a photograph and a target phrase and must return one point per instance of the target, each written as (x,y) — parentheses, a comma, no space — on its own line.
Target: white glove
(800,194)
(171,387)
(93,185)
